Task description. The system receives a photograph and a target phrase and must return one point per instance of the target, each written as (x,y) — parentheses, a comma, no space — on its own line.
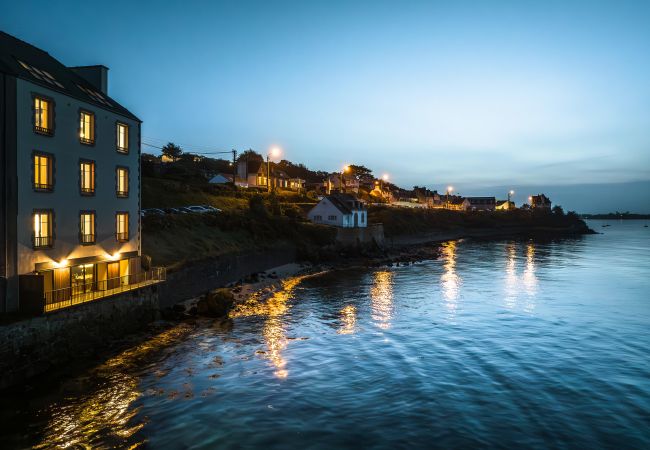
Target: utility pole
(234,167)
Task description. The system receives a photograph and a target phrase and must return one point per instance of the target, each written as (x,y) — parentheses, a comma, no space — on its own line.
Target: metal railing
(43,130)
(87,238)
(42,241)
(122,193)
(87,292)
(122,237)
(43,186)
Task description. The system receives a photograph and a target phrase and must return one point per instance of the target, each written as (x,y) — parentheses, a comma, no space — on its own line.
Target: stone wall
(372,234)
(32,346)
(198,278)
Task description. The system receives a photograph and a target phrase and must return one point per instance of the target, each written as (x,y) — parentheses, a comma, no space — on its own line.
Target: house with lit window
(69,184)
(540,201)
(256,173)
(340,210)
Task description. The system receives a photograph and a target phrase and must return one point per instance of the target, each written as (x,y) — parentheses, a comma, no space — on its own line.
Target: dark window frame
(122,237)
(49,243)
(52,159)
(118,193)
(81,234)
(49,132)
(81,189)
(85,141)
(123,151)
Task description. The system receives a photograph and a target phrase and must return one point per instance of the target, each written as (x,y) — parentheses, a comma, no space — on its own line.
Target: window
(43,173)
(43,229)
(87,227)
(318,218)
(43,116)
(331,217)
(86,127)
(87,177)
(122,188)
(40,74)
(122,138)
(122,226)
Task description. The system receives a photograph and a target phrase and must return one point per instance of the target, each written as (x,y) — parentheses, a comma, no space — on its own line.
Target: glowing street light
(274,152)
(449,190)
(510,193)
(384,177)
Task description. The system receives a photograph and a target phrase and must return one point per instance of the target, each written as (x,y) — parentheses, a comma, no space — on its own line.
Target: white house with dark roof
(69,184)
(340,210)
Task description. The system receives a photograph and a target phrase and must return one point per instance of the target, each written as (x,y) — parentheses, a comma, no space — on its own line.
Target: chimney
(97,76)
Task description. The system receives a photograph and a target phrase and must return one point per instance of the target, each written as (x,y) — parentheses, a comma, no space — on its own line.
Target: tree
(362,173)
(558,211)
(250,155)
(172,151)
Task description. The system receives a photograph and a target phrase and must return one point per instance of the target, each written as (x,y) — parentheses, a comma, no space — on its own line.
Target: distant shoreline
(613,216)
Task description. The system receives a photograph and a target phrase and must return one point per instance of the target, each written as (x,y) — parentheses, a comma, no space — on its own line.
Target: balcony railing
(122,237)
(88,190)
(43,130)
(43,241)
(122,193)
(43,186)
(87,238)
(88,141)
(87,292)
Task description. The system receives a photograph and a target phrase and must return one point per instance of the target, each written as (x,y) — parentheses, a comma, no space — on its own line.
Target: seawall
(34,345)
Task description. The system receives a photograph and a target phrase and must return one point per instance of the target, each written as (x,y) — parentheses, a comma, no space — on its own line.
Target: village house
(333,183)
(479,204)
(505,205)
(69,184)
(540,201)
(340,210)
(254,173)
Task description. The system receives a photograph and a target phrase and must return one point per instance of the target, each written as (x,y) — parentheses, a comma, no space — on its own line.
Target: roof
(343,202)
(24,61)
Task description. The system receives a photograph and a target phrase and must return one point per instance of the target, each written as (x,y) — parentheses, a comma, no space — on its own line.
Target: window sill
(44,131)
(87,141)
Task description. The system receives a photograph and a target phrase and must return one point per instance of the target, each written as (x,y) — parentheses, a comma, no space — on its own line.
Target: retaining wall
(372,234)
(32,346)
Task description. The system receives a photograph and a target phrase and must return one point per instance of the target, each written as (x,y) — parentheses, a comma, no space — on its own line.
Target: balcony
(43,130)
(122,237)
(43,241)
(87,239)
(83,293)
(122,194)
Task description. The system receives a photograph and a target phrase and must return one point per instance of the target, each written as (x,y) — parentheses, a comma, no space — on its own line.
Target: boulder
(215,303)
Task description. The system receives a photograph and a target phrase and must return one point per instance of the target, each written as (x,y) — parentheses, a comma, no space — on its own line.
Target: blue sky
(472,94)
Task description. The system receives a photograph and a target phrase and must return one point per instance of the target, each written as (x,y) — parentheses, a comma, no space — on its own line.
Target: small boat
(645,226)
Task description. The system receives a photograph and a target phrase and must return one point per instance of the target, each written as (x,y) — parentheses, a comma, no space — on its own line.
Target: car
(152,212)
(174,211)
(211,208)
(197,209)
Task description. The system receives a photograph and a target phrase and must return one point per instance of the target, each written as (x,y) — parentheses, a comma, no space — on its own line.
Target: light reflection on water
(504,343)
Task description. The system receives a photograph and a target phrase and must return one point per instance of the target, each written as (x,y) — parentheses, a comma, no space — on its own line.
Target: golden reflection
(381,295)
(107,409)
(530,279)
(348,320)
(450,280)
(274,331)
(511,275)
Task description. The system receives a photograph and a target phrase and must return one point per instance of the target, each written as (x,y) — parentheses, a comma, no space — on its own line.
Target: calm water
(506,343)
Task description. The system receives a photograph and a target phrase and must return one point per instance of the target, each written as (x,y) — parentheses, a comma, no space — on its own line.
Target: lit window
(122,138)
(122,176)
(122,226)
(42,116)
(87,177)
(87,127)
(43,229)
(87,227)
(43,179)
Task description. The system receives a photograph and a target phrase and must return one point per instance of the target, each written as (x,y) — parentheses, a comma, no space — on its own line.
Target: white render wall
(325,209)
(66,200)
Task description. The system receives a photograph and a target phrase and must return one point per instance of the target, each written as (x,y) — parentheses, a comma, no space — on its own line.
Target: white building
(340,210)
(69,184)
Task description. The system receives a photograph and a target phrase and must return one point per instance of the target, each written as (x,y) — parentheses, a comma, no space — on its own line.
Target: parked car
(197,209)
(175,211)
(211,208)
(152,212)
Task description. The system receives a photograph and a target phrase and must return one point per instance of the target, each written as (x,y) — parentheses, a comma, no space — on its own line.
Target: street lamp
(510,193)
(449,190)
(274,152)
(346,168)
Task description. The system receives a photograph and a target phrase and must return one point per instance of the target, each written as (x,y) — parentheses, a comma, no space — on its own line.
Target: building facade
(71,182)
(340,210)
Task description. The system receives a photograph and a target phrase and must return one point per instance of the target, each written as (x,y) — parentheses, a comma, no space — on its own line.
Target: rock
(179,307)
(216,303)
(193,311)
